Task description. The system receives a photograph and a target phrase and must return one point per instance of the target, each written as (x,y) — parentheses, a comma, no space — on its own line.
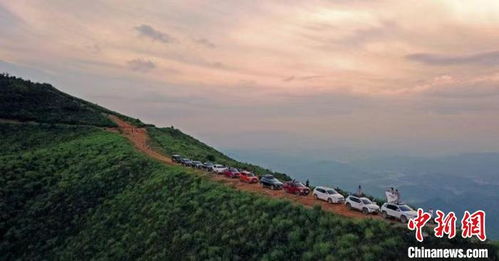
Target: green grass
(89,194)
(173,141)
(47,189)
(81,193)
(40,102)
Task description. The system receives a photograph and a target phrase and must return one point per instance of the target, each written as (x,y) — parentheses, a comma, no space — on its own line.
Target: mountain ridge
(82,192)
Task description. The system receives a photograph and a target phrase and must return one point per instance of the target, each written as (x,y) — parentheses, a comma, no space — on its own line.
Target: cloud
(204,42)
(484,58)
(302,78)
(476,88)
(155,35)
(141,65)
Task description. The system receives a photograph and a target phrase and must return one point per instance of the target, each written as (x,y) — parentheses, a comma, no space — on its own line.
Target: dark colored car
(207,165)
(185,162)
(176,158)
(296,187)
(269,181)
(231,173)
(197,164)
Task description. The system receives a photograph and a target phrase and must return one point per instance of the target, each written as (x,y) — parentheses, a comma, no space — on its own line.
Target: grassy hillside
(173,141)
(80,192)
(48,188)
(90,195)
(27,101)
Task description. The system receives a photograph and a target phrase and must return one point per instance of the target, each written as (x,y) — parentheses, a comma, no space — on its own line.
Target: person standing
(359,191)
(307,183)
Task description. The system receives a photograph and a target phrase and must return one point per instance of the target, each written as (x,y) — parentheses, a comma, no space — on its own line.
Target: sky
(337,77)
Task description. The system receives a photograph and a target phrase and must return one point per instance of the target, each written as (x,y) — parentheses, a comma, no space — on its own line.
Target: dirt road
(139,138)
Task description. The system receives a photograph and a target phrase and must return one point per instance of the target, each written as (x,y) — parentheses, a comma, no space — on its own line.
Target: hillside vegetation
(81,192)
(28,101)
(173,141)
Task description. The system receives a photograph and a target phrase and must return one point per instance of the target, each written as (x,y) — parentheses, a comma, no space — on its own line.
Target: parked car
(176,158)
(401,212)
(185,162)
(197,164)
(296,187)
(328,194)
(231,173)
(246,176)
(207,165)
(218,168)
(361,203)
(269,181)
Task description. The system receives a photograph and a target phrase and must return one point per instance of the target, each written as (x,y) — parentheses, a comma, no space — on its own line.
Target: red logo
(446,224)
(474,225)
(418,223)
(471,224)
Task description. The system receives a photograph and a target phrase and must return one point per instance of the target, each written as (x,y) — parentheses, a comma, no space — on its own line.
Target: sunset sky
(400,77)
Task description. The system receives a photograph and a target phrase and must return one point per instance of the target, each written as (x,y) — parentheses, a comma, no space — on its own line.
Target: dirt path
(139,138)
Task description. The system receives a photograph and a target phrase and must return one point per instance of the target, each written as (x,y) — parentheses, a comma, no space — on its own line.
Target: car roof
(326,188)
(268,176)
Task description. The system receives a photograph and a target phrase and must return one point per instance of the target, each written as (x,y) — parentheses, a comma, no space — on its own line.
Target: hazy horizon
(348,79)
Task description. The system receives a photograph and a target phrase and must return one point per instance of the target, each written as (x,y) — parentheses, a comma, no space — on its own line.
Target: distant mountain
(477,165)
(452,183)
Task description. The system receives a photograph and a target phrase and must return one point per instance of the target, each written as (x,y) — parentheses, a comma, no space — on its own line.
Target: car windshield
(366,201)
(234,170)
(332,192)
(249,174)
(405,208)
(298,184)
(219,166)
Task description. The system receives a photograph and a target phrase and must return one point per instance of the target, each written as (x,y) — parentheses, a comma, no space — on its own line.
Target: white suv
(401,212)
(361,203)
(218,168)
(328,194)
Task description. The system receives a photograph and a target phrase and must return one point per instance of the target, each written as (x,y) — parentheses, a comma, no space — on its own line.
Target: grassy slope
(172,141)
(49,187)
(27,101)
(79,192)
(91,195)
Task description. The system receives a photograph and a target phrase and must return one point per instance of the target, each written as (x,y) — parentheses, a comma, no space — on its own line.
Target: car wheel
(315,196)
(385,216)
(365,211)
(349,206)
(330,201)
(403,219)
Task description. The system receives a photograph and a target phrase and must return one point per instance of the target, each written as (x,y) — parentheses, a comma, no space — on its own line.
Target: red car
(248,177)
(295,187)
(231,173)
